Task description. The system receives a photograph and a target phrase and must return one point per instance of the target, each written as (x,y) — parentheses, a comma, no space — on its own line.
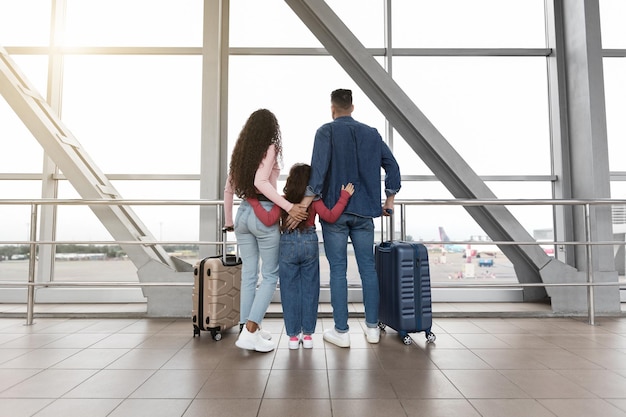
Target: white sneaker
(336,338)
(307,341)
(294,342)
(265,334)
(372,334)
(253,341)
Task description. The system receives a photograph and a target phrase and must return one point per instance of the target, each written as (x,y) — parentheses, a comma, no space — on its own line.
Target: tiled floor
(509,366)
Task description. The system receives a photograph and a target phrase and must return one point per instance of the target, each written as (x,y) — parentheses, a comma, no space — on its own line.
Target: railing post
(30,304)
(588,252)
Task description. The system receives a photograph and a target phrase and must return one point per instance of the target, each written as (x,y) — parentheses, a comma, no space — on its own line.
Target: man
(349,151)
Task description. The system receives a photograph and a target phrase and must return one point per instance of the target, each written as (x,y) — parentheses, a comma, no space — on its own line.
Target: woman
(253,173)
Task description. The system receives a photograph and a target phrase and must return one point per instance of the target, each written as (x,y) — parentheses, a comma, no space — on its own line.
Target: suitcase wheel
(217,336)
(382,326)
(430,337)
(406,339)
(196,331)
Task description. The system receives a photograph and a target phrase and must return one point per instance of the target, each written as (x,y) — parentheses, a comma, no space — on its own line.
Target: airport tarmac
(451,267)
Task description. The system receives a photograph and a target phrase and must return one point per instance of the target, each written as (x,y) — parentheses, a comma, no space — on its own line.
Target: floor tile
(143,359)
(546,384)
(439,408)
(352,359)
(582,408)
(291,383)
(295,408)
(150,408)
(111,383)
(367,407)
(304,358)
(79,408)
(91,359)
(170,383)
(484,384)
(39,359)
(235,384)
(360,384)
(602,383)
(219,407)
(456,359)
(510,408)
(422,384)
(10,377)
(52,383)
(19,407)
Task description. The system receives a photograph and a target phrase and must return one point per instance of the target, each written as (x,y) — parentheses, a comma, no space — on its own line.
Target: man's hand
(388,206)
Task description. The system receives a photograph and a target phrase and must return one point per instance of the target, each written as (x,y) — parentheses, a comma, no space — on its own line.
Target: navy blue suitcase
(405,295)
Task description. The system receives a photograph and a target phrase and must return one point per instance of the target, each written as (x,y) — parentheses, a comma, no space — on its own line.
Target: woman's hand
(299,212)
(349,188)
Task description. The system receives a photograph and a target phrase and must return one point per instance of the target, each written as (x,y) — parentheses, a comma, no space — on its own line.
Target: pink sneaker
(307,341)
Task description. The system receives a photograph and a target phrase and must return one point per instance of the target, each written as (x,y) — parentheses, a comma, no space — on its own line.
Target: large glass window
(493,111)
(272,23)
(25,23)
(615,94)
(134,23)
(468,24)
(135,114)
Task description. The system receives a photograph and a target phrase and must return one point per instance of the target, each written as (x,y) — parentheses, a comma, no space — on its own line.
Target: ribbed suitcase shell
(216,294)
(404,282)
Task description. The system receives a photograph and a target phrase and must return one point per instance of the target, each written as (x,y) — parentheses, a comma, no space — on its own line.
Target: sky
(142,114)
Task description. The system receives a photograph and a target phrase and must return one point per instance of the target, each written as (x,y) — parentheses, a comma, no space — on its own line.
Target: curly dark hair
(295,188)
(260,131)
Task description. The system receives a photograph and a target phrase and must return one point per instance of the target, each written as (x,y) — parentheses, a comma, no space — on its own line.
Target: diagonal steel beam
(429,144)
(65,150)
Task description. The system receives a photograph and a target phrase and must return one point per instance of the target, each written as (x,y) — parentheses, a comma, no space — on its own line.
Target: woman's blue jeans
(299,271)
(360,230)
(256,242)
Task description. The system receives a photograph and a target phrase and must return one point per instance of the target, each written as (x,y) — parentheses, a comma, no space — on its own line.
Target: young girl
(298,270)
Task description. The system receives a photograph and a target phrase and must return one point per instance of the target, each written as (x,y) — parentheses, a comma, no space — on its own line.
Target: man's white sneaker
(336,338)
(372,334)
(253,341)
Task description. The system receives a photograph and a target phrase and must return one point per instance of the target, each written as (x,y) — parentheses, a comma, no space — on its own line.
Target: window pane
(612,16)
(21,152)
(615,96)
(134,23)
(25,22)
(468,24)
(249,25)
(493,111)
(135,114)
(15,219)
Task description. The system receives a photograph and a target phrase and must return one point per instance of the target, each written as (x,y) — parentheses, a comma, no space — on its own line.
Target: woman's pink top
(268,218)
(265,181)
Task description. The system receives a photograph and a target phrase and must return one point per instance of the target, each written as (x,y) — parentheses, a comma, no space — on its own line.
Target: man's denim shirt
(349,151)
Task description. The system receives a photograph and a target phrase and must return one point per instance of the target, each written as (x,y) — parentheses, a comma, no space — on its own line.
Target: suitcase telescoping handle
(225,260)
(390,225)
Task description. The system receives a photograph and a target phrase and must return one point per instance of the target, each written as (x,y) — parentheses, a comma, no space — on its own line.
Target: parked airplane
(479,249)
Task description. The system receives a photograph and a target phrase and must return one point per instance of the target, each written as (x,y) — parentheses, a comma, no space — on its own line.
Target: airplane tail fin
(442,235)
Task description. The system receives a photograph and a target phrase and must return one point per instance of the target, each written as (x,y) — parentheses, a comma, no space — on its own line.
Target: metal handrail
(33,242)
